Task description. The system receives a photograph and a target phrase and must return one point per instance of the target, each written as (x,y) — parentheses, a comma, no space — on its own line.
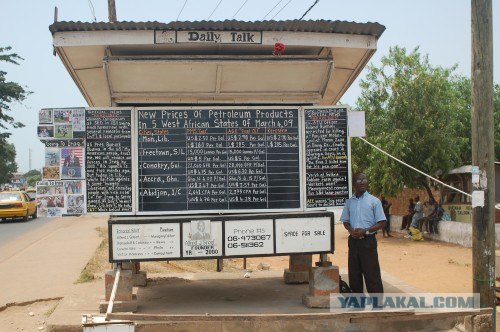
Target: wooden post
(483,154)
(111,11)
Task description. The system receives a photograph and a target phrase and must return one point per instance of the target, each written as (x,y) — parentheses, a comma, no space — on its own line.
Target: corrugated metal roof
(324,26)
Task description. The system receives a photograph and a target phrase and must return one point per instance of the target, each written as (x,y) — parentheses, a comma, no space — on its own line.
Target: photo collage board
(62,189)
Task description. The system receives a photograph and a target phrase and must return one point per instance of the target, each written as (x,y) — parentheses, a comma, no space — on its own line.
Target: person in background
(363,216)
(386,206)
(429,213)
(407,218)
(418,212)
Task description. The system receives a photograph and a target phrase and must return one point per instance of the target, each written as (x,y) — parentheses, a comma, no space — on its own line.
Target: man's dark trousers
(363,261)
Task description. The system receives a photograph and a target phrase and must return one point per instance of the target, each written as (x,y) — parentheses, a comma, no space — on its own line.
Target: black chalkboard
(327,161)
(218,159)
(108,160)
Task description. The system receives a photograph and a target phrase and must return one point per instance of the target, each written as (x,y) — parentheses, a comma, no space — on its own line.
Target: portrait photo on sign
(52,156)
(72,157)
(76,204)
(62,115)
(45,131)
(63,131)
(51,173)
(200,230)
(45,115)
(73,187)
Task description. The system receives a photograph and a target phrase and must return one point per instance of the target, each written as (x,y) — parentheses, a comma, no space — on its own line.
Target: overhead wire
(276,5)
(184,5)
(244,3)
(279,11)
(213,11)
(307,11)
(92,9)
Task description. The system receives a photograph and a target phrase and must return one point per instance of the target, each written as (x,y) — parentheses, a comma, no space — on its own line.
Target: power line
(276,5)
(184,5)
(307,11)
(215,9)
(92,9)
(279,11)
(244,3)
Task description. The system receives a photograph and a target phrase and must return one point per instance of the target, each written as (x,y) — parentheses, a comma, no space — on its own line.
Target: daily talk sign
(214,37)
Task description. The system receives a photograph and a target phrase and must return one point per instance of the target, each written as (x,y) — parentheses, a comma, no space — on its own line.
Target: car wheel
(25,218)
(35,214)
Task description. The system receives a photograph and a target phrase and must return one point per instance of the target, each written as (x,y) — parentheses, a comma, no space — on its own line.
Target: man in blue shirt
(363,216)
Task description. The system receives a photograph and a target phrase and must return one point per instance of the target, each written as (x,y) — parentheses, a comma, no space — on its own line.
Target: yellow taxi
(17,204)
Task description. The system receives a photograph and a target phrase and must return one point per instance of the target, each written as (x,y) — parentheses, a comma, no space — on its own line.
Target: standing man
(363,216)
(386,206)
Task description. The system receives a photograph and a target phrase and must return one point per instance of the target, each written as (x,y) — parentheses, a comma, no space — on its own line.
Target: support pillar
(298,269)
(125,298)
(323,281)
(139,278)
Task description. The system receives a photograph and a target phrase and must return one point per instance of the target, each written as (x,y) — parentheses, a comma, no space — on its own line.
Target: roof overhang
(124,64)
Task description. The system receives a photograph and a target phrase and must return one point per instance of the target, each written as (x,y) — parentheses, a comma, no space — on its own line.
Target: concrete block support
(124,290)
(298,269)
(125,299)
(139,278)
(322,282)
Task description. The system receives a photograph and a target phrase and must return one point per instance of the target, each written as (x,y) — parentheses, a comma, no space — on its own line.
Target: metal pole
(113,291)
(483,154)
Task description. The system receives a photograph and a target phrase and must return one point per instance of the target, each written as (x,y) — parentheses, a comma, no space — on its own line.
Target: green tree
(409,107)
(32,177)
(8,163)
(10,92)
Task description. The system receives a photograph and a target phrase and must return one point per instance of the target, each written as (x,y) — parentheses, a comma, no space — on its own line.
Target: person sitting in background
(429,213)
(433,222)
(407,218)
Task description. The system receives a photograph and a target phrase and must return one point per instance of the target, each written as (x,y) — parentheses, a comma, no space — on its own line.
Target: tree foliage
(8,163)
(32,177)
(9,92)
(409,107)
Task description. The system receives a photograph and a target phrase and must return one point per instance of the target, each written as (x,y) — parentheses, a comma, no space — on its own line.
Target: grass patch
(51,310)
(99,262)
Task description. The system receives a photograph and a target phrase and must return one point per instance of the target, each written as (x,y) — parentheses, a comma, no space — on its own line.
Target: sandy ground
(430,266)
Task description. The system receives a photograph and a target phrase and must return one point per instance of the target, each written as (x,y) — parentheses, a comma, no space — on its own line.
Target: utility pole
(111,11)
(483,154)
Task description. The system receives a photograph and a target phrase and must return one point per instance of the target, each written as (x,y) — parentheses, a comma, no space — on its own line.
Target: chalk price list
(326,157)
(218,159)
(108,161)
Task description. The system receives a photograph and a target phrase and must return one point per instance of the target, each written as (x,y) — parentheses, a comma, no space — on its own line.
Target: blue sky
(440,28)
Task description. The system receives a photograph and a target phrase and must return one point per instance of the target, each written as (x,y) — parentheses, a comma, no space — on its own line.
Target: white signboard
(249,237)
(146,241)
(202,243)
(211,37)
(303,235)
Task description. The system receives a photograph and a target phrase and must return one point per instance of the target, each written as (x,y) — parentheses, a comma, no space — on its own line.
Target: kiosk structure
(215,139)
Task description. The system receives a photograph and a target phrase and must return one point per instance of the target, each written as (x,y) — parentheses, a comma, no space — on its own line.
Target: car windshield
(10,197)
